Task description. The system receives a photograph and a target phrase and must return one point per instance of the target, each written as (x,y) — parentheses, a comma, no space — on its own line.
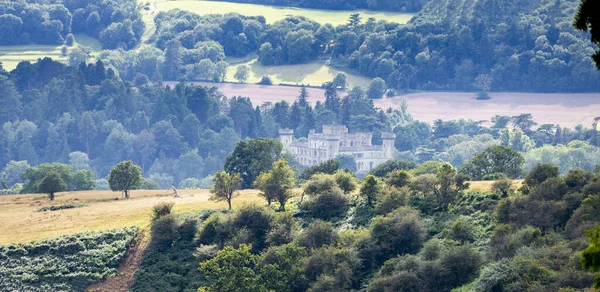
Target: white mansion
(335,140)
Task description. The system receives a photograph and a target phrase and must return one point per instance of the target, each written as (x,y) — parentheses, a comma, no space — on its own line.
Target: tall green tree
(370,189)
(494,159)
(225,185)
(252,157)
(276,184)
(590,257)
(588,18)
(52,183)
(125,176)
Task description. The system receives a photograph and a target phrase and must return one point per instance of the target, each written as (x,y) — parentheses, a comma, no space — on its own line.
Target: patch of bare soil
(126,274)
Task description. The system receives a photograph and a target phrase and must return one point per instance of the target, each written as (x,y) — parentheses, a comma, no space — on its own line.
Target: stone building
(334,141)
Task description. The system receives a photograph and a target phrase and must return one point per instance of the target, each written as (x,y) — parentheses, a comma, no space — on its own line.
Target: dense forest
(117,24)
(385,5)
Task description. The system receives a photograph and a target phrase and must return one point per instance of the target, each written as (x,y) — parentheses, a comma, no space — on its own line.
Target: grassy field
(314,73)
(275,13)
(21,222)
(10,56)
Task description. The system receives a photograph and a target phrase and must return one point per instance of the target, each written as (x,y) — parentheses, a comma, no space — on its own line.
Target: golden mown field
(21,222)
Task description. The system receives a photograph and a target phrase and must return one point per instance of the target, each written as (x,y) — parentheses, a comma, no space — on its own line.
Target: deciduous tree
(224,187)
(124,177)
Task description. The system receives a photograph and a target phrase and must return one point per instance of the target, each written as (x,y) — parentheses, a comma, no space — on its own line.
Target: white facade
(334,141)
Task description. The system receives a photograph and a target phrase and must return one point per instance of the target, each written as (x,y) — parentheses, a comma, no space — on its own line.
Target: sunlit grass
(314,73)
(11,56)
(21,222)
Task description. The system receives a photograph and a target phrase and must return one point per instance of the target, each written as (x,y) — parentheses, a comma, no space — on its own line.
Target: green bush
(161,209)
(68,263)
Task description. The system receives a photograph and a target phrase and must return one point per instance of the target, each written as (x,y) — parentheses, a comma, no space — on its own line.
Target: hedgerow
(67,263)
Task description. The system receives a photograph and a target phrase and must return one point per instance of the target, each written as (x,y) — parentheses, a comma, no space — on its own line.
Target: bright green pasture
(275,13)
(314,73)
(10,56)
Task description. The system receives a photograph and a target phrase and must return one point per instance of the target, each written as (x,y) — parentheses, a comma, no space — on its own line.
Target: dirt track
(565,109)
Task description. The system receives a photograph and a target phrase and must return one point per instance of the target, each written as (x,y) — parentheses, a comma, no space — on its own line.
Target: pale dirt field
(565,109)
(21,222)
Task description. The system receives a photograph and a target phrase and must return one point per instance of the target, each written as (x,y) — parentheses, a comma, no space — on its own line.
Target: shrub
(61,207)
(327,205)
(161,209)
(391,200)
(399,233)
(265,80)
(165,231)
(68,263)
(399,178)
(317,234)
(503,187)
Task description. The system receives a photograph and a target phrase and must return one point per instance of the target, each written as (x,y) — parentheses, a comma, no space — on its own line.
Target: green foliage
(164,231)
(504,187)
(62,207)
(391,200)
(52,183)
(370,189)
(125,176)
(68,263)
(385,168)
(539,174)
(590,257)
(277,184)
(398,233)
(587,17)
(224,186)
(149,184)
(346,181)
(495,159)
(242,73)
(161,209)
(399,178)
(233,270)
(328,167)
(253,157)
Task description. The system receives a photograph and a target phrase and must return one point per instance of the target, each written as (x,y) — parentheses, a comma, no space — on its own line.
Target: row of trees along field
(88,119)
(405,227)
(117,24)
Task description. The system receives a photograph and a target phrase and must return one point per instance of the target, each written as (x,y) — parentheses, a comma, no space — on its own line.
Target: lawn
(314,73)
(21,222)
(275,13)
(11,56)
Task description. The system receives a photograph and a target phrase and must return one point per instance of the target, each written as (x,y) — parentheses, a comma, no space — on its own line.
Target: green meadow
(10,56)
(314,73)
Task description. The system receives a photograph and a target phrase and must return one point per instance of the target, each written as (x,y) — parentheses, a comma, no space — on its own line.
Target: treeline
(385,5)
(405,227)
(117,24)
